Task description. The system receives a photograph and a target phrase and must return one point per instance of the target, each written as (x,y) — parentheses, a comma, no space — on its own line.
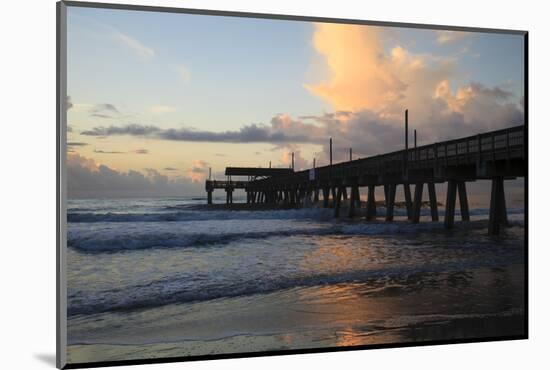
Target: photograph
(239,184)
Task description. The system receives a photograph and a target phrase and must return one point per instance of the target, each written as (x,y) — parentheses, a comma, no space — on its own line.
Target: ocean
(169,277)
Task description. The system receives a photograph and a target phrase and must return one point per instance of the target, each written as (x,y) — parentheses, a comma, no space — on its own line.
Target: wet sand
(478,304)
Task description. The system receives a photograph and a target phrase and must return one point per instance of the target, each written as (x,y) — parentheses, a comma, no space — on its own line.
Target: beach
(168,277)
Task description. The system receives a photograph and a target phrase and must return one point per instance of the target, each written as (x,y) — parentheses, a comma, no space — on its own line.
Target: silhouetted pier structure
(496,156)
(253,174)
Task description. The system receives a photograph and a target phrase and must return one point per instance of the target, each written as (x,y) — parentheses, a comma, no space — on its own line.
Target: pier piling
(497,212)
(337,202)
(390,202)
(417,205)
(450,204)
(433,201)
(463,199)
(371,203)
(408,200)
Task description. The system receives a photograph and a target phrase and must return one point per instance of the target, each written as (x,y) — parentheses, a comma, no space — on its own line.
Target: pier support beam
(316,195)
(337,202)
(417,204)
(408,201)
(452,188)
(209,197)
(450,204)
(497,211)
(229,196)
(390,202)
(307,197)
(463,199)
(333,190)
(326,194)
(371,203)
(345,193)
(433,201)
(353,200)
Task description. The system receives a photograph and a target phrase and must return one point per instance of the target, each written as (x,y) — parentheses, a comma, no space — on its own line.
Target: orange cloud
(300,163)
(366,76)
(455,102)
(199,171)
(360,77)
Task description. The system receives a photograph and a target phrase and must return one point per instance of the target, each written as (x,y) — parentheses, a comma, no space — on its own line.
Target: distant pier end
(496,156)
(253,174)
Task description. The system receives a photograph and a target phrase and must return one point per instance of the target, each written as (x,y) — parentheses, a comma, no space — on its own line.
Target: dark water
(160,277)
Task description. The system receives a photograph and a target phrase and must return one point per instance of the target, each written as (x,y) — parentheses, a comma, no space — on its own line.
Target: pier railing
(496,145)
(217,184)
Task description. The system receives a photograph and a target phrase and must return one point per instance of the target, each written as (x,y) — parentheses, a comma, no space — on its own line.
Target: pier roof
(257,171)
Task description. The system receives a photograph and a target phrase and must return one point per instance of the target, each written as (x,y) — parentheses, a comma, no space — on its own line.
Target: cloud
(137,47)
(140,151)
(132,129)
(76,160)
(367,74)
(371,83)
(86,178)
(105,110)
(170,169)
(444,114)
(99,151)
(447,37)
(137,151)
(300,163)
(69,102)
(199,171)
(75,143)
(281,130)
(361,75)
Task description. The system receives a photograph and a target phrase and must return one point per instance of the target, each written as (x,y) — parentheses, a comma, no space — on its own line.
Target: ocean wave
(296,214)
(120,240)
(185,214)
(126,242)
(382,282)
(181,290)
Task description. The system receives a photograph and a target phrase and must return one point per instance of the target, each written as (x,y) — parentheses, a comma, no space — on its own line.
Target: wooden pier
(496,156)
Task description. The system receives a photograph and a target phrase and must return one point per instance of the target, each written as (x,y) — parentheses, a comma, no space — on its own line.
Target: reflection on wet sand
(424,307)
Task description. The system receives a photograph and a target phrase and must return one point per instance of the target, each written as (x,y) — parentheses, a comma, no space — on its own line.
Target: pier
(496,156)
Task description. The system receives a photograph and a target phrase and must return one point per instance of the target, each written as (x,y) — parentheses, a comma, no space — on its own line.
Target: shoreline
(315,317)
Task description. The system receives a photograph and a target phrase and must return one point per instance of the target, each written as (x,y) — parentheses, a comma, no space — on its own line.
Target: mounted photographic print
(236,184)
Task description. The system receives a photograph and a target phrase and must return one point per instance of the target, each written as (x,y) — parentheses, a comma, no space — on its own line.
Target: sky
(156,99)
